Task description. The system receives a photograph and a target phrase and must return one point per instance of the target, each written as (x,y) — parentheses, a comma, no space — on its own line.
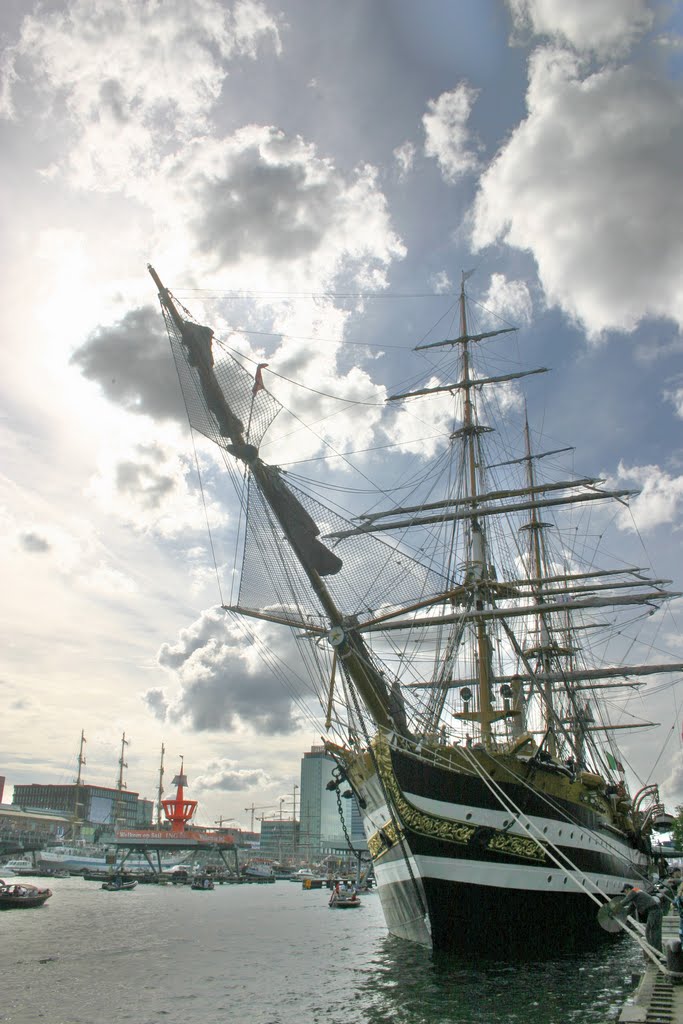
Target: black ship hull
(456,870)
(488,923)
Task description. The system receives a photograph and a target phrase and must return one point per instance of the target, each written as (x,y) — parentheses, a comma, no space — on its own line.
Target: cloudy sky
(313,178)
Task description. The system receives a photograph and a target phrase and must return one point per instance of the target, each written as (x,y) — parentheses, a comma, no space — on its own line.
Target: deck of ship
(656,1000)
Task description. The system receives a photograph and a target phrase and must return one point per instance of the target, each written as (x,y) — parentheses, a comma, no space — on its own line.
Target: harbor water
(271,954)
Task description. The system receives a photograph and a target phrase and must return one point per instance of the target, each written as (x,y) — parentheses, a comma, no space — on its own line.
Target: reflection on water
(409,985)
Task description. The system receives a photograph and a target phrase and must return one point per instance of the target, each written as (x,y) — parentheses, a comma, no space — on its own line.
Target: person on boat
(649,908)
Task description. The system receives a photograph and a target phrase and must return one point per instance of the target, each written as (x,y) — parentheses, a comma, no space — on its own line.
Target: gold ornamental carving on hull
(383,839)
(496,840)
(518,846)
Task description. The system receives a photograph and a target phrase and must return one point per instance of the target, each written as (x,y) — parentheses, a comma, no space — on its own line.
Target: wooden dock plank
(656,1000)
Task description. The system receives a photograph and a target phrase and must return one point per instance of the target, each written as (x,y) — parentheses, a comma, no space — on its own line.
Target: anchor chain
(341,816)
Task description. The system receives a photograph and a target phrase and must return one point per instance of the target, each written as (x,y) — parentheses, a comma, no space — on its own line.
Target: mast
(120,785)
(479,585)
(476,570)
(384,705)
(160,791)
(80,760)
(535,528)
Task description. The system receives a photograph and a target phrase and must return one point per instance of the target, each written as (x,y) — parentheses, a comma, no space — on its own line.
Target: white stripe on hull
(503,876)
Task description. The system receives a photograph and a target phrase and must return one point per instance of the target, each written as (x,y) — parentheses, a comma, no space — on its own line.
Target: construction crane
(254,808)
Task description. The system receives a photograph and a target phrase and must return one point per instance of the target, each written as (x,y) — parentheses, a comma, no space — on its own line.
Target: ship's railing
(420,748)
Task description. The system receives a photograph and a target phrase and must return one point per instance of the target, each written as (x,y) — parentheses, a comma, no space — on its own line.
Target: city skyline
(285,809)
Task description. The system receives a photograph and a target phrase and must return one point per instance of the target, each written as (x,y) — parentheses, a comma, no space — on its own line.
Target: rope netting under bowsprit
(374,575)
(254,407)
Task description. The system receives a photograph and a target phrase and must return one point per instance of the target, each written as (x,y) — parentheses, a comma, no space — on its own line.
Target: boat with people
(344,897)
(461,640)
(16,895)
(204,883)
(120,884)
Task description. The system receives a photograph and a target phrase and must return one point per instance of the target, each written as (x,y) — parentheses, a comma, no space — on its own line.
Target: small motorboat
(14,896)
(344,899)
(119,885)
(205,884)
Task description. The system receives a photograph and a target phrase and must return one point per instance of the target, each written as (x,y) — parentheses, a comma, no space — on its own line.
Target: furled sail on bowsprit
(221,398)
(226,405)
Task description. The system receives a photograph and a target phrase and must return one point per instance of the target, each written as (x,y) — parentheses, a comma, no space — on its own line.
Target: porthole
(565,880)
(559,832)
(468,816)
(550,878)
(571,835)
(545,829)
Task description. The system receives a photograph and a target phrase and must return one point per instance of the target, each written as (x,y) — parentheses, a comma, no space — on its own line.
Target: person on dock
(678,905)
(667,890)
(646,907)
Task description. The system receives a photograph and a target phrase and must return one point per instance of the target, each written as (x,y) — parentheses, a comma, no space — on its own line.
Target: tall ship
(459,635)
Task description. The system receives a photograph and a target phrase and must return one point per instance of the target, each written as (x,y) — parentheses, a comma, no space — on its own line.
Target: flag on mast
(258,379)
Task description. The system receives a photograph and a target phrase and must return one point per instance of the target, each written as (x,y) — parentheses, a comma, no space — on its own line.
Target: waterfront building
(279,839)
(91,805)
(321,830)
(357,831)
(29,829)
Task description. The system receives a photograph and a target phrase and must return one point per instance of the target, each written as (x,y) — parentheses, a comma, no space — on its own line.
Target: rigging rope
(572,872)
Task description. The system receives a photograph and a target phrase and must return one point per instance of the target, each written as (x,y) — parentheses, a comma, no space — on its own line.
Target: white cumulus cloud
(163,72)
(602,26)
(660,499)
(589,184)
(447,134)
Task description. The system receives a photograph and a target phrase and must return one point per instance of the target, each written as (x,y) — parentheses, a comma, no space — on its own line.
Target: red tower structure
(179,810)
